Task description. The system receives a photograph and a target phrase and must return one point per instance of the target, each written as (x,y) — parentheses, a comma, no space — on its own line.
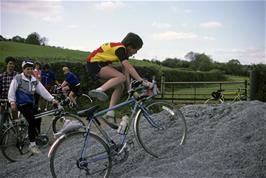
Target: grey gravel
(227,140)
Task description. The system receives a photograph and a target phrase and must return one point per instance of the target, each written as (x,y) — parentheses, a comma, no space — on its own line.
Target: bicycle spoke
(165,125)
(66,158)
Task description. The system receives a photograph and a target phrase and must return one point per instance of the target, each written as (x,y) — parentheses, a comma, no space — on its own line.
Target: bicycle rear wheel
(83,102)
(15,143)
(59,122)
(66,160)
(160,129)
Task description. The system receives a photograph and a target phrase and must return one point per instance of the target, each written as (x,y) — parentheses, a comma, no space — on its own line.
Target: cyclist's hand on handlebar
(55,103)
(147,84)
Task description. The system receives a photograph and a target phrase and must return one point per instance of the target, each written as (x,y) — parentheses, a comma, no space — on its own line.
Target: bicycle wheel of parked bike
(213,101)
(60,122)
(15,143)
(83,102)
(160,129)
(66,161)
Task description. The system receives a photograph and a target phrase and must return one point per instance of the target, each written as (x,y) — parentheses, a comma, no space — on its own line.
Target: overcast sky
(223,30)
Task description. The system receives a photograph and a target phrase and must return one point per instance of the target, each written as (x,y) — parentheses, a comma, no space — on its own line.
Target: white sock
(99,89)
(32,144)
(111,113)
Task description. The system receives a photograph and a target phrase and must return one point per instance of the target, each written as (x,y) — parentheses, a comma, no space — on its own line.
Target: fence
(198,92)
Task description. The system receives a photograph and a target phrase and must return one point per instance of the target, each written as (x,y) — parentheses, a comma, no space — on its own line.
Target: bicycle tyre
(65,156)
(15,143)
(58,122)
(214,101)
(83,102)
(162,140)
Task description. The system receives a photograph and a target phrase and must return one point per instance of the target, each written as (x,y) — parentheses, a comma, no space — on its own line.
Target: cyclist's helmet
(27,64)
(132,40)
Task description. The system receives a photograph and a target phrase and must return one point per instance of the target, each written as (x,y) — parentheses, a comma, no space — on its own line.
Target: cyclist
(21,97)
(71,84)
(6,78)
(99,66)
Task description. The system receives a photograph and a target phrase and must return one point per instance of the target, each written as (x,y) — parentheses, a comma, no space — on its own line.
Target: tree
(234,67)
(18,39)
(44,41)
(2,38)
(33,38)
(200,62)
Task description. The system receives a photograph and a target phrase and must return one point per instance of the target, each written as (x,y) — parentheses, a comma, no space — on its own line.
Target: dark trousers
(28,111)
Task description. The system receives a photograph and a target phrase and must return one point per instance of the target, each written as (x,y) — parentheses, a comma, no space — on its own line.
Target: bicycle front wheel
(15,143)
(59,122)
(68,160)
(160,128)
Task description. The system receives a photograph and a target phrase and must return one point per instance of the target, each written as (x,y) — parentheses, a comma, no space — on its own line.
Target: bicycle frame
(137,108)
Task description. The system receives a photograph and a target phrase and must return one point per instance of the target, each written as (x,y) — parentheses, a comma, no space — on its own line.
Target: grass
(42,53)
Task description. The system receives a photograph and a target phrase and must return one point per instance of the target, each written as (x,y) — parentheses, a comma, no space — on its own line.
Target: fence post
(246,90)
(253,85)
(162,86)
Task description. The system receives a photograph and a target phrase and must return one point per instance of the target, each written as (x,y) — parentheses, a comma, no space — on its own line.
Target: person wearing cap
(21,97)
(5,79)
(99,67)
(70,85)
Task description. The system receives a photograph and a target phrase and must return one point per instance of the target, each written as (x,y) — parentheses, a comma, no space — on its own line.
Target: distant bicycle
(85,153)
(82,100)
(15,141)
(217,97)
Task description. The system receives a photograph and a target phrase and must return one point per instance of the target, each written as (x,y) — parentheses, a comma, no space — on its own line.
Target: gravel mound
(227,140)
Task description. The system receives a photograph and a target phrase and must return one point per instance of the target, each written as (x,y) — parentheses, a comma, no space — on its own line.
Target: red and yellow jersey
(108,52)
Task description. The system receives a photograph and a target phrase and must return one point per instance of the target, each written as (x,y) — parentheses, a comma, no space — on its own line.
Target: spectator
(48,77)
(6,78)
(21,97)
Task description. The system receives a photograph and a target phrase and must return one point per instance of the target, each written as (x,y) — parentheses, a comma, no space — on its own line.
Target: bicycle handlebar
(54,112)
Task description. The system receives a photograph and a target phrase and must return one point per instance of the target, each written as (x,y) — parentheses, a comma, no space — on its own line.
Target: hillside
(42,53)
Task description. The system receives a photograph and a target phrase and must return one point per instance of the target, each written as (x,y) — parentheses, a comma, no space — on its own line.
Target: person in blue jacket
(21,97)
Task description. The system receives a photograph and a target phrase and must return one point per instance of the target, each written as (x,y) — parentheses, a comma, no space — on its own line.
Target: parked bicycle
(15,141)
(82,100)
(5,116)
(218,97)
(84,153)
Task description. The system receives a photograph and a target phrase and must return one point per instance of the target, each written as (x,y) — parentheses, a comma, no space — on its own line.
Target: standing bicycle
(85,153)
(15,141)
(218,96)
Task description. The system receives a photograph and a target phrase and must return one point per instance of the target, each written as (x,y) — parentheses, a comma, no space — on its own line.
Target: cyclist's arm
(131,70)
(65,83)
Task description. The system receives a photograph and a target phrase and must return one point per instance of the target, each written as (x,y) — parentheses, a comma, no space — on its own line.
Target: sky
(223,30)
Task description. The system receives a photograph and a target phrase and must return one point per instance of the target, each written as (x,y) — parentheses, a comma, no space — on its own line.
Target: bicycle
(218,96)
(87,153)
(15,141)
(82,100)
(5,116)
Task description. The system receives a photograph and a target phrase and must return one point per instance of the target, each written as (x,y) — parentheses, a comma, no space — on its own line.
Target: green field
(42,53)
